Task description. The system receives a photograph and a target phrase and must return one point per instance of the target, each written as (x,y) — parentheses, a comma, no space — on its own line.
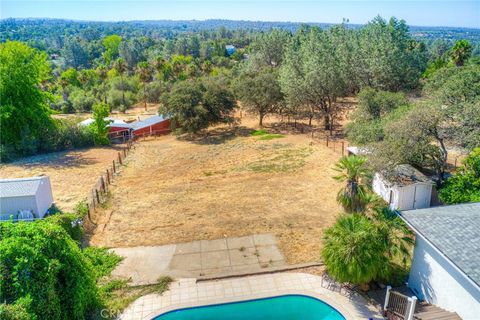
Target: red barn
(156,125)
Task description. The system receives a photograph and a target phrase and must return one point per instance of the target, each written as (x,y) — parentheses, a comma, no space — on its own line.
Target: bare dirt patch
(72,173)
(227,184)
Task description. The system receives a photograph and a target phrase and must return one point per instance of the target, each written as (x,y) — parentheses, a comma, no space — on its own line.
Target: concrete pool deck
(249,254)
(185,293)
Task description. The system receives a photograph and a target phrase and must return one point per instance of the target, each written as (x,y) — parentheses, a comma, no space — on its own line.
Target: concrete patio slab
(241,242)
(213,245)
(188,247)
(215,259)
(188,262)
(144,265)
(264,239)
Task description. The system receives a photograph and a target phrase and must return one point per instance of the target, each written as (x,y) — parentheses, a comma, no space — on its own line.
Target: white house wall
(44,197)
(11,205)
(434,279)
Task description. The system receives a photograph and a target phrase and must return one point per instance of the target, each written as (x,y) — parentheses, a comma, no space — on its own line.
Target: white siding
(433,278)
(413,196)
(12,205)
(44,197)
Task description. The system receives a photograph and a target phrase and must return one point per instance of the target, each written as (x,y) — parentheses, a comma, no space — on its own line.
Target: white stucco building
(404,188)
(446,265)
(25,198)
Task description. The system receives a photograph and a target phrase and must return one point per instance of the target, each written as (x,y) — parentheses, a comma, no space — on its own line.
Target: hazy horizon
(425,13)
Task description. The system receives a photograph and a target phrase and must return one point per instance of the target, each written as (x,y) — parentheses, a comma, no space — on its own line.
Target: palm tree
(352,250)
(102,73)
(460,52)
(121,66)
(145,75)
(395,235)
(356,195)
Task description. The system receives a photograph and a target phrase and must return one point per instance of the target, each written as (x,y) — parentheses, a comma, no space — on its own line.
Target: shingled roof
(20,187)
(454,230)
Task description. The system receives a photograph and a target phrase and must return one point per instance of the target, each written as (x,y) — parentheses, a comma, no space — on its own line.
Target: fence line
(335,144)
(100,191)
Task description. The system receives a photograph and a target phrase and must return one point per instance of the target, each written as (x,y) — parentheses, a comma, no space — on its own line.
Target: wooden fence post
(108,177)
(343,148)
(97,195)
(119,158)
(327,141)
(93,199)
(102,183)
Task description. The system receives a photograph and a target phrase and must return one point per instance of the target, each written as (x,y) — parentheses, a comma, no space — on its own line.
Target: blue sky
(423,12)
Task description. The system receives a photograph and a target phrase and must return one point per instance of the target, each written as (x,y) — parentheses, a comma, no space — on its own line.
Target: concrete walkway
(186,293)
(144,265)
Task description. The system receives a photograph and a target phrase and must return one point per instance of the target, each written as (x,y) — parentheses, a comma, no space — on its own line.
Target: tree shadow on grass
(217,135)
(61,159)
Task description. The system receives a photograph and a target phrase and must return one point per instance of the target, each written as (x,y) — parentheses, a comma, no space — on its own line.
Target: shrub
(81,100)
(17,311)
(353,250)
(70,222)
(40,260)
(103,260)
(464,185)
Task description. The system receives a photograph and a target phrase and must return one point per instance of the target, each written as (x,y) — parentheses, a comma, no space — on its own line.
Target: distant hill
(37,29)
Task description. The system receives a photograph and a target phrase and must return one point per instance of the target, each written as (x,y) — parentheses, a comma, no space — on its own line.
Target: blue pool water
(289,307)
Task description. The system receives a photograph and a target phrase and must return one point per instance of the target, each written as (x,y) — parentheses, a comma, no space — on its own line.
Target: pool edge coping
(328,300)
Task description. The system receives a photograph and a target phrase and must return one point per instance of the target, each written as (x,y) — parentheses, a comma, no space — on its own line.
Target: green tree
(39,260)
(24,112)
(311,75)
(102,73)
(74,54)
(355,196)
(111,44)
(121,67)
(464,185)
(353,251)
(99,126)
(460,52)
(376,108)
(193,105)
(145,75)
(259,92)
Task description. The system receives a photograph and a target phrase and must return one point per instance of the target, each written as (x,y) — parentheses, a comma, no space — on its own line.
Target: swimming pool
(288,307)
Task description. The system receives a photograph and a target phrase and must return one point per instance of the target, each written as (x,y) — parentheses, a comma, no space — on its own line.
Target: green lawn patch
(264,135)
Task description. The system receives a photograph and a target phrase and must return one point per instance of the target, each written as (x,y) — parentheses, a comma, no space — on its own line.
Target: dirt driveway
(228,184)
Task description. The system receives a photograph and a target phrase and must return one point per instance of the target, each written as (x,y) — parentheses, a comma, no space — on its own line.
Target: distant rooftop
(454,230)
(20,187)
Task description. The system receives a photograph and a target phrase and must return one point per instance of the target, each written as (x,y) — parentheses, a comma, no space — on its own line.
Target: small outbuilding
(445,269)
(25,198)
(404,188)
(155,125)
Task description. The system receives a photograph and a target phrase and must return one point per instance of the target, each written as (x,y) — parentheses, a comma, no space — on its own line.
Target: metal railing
(399,306)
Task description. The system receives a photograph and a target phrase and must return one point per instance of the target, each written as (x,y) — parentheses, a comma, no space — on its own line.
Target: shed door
(422,196)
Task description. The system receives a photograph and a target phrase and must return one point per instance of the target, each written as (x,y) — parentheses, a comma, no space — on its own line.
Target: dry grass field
(227,183)
(72,173)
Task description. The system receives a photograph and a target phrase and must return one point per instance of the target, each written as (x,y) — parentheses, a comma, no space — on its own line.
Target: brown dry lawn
(225,184)
(72,173)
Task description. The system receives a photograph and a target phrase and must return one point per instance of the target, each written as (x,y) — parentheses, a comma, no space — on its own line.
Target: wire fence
(100,192)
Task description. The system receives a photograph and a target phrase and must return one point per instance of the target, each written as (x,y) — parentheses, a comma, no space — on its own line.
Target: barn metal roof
(146,122)
(20,187)
(454,230)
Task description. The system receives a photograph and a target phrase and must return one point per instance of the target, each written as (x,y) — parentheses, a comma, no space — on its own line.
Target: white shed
(18,196)
(404,188)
